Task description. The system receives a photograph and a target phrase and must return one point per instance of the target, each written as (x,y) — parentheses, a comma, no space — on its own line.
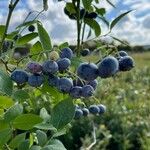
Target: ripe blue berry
(87,91)
(123,53)
(63,64)
(50,67)
(76,91)
(102,109)
(65,84)
(66,53)
(93,109)
(108,67)
(91,15)
(126,63)
(85,52)
(31,28)
(34,67)
(19,76)
(53,80)
(93,83)
(35,80)
(85,111)
(78,113)
(87,71)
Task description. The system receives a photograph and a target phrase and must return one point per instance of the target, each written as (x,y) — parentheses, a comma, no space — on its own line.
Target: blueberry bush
(45,87)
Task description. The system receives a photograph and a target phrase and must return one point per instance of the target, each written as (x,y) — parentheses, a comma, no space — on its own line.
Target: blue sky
(134,28)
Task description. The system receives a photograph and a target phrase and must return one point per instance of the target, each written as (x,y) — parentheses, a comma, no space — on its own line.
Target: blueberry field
(72,77)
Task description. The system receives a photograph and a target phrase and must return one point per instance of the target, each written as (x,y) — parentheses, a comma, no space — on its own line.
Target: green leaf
(75,61)
(17,140)
(45,5)
(94,25)
(12,35)
(26,121)
(20,95)
(6,102)
(26,24)
(44,38)
(13,112)
(35,147)
(3,125)
(1,111)
(26,38)
(70,8)
(87,4)
(45,126)
(2,30)
(42,137)
(36,48)
(63,45)
(100,11)
(6,84)
(24,145)
(59,133)
(110,3)
(54,145)
(5,135)
(116,20)
(62,113)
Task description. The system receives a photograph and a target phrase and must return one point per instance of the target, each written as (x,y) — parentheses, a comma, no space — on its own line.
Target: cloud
(133,28)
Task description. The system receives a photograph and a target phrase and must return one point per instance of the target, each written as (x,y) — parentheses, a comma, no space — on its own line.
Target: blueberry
(50,67)
(76,91)
(78,82)
(87,71)
(53,80)
(65,84)
(126,63)
(78,113)
(66,53)
(31,28)
(93,83)
(19,76)
(91,15)
(122,53)
(85,52)
(87,91)
(53,55)
(85,111)
(35,80)
(108,67)
(63,64)
(102,109)
(34,67)
(17,56)
(93,109)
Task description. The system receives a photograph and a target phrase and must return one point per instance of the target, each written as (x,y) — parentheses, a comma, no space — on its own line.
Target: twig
(6,65)
(94,138)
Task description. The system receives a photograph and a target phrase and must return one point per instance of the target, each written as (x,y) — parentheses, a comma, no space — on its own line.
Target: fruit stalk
(11,8)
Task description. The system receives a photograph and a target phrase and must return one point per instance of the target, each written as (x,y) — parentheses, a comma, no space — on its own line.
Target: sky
(135,28)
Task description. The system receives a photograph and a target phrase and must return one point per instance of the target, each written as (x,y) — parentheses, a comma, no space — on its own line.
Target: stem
(83,32)
(6,65)
(78,26)
(11,8)
(94,138)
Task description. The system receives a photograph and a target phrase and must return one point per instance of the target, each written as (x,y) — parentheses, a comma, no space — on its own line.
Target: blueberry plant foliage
(44,90)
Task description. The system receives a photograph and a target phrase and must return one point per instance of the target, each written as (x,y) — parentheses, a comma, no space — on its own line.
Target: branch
(94,138)
(11,8)
(6,65)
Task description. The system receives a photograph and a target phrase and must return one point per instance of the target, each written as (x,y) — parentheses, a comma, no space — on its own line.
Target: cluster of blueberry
(85,83)
(83,14)
(93,109)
